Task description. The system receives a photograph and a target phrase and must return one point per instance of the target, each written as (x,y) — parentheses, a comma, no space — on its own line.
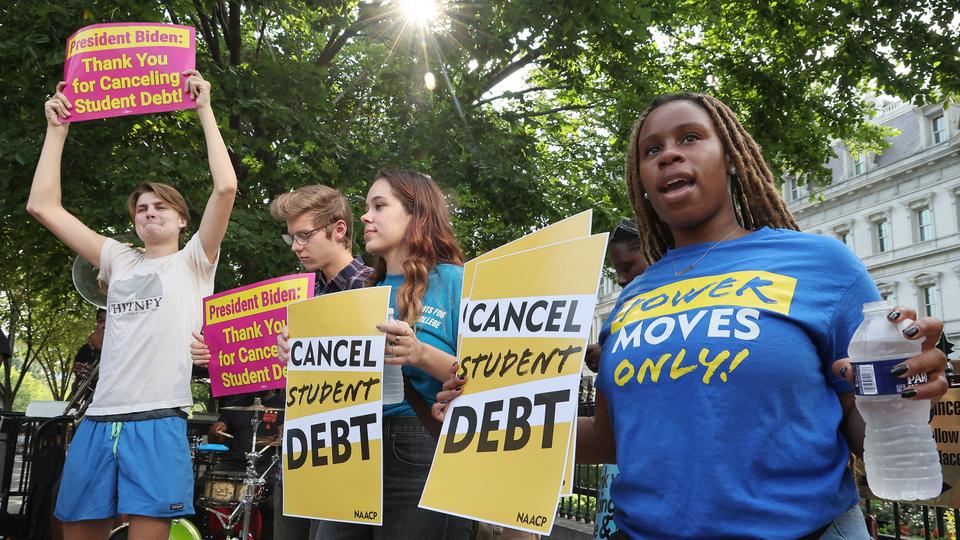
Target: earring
(646,195)
(732,171)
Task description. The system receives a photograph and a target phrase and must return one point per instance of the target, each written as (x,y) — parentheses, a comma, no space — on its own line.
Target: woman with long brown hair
(407,228)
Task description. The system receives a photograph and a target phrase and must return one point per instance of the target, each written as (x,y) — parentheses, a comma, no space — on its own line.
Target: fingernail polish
(899,369)
(457,389)
(843,372)
(443,402)
(908,393)
(461,377)
(893,315)
(911,331)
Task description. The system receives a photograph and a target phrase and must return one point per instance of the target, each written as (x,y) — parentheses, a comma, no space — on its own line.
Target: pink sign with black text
(119,69)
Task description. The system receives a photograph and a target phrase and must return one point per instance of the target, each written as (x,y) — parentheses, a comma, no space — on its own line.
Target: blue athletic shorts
(140,468)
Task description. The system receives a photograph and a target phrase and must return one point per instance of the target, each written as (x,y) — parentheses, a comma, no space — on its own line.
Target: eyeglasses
(301,238)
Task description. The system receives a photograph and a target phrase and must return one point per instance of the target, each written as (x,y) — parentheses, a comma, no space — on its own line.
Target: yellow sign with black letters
(332,430)
(523,331)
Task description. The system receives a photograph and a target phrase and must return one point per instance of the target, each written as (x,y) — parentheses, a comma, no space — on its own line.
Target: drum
(180,529)
(205,458)
(222,488)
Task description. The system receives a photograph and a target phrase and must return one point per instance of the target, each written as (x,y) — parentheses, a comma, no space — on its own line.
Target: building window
(887,290)
(843,232)
(924,224)
(956,205)
(859,165)
(883,235)
(930,296)
(939,125)
(795,190)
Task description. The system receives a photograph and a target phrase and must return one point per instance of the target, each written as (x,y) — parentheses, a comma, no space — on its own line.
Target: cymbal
(256,407)
(273,441)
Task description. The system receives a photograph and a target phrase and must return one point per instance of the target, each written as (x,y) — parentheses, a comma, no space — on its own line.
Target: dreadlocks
(757,201)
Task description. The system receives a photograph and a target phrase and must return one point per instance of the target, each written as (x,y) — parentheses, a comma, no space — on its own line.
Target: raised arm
(216,215)
(44,203)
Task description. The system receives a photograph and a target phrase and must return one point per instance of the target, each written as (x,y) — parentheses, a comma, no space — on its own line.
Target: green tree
(330,91)
(32,389)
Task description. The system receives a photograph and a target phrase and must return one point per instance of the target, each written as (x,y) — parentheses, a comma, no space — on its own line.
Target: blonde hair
(327,204)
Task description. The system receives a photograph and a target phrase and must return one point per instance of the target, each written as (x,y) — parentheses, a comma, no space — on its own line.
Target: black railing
(895,521)
(582,505)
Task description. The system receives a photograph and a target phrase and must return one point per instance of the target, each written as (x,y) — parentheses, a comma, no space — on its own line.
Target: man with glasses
(320,234)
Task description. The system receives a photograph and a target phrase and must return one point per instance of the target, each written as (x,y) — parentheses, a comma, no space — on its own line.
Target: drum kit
(230,498)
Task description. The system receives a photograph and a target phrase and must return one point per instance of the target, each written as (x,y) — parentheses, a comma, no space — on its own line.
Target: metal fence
(893,521)
(582,505)
(912,521)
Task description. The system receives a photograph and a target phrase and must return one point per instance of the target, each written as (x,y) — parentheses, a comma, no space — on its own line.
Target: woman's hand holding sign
(452,387)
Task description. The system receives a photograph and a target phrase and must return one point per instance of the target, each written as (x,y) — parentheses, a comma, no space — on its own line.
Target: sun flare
(419,12)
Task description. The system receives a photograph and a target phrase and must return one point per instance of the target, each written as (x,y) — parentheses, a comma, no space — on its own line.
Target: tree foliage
(331,91)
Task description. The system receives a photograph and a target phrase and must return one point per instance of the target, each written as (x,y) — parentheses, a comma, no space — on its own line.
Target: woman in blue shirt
(716,395)
(407,227)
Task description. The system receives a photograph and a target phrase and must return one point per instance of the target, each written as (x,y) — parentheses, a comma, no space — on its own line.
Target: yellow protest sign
(524,333)
(577,226)
(332,437)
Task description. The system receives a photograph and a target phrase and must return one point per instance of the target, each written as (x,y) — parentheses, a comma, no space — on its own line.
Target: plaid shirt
(353,276)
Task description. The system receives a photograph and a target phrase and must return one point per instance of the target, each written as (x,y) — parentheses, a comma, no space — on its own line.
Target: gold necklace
(684,270)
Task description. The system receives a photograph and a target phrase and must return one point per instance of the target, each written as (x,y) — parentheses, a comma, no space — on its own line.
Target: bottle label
(874,378)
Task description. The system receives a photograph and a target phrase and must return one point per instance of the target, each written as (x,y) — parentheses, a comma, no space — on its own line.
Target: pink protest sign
(241,325)
(120,69)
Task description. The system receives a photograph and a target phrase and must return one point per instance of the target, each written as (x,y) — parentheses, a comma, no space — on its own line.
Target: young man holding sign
(130,453)
(320,234)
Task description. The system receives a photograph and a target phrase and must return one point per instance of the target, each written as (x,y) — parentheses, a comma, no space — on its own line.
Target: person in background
(88,355)
(623,251)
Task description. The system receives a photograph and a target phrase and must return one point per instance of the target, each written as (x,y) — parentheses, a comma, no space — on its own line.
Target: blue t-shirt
(718,383)
(437,327)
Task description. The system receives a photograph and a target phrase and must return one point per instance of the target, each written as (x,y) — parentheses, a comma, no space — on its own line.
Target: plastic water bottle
(392,375)
(899,454)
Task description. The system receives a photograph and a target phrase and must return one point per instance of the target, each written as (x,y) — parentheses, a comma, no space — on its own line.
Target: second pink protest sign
(241,325)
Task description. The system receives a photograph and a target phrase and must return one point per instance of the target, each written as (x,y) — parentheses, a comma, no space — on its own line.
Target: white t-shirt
(152,307)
